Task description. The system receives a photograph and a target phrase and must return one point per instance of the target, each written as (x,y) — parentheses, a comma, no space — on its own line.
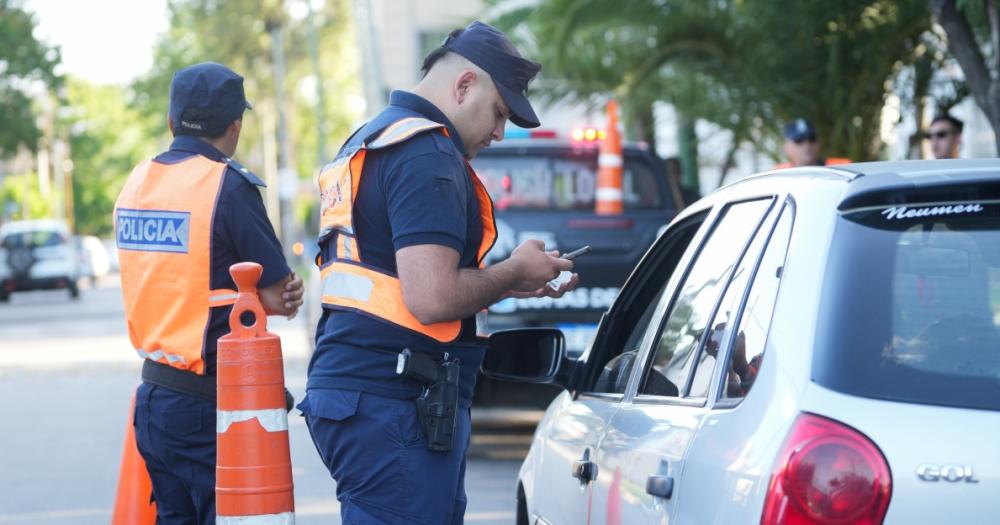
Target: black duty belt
(182,381)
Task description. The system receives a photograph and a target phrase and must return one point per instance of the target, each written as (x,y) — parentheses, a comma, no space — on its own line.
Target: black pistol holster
(437,405)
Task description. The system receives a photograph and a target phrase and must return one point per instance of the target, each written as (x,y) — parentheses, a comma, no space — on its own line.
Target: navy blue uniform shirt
(415,192)
(241,232)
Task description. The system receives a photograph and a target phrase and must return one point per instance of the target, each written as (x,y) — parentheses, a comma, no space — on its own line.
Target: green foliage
(107,138)
(25,64)
(21,192)
(748,66)
(238,34)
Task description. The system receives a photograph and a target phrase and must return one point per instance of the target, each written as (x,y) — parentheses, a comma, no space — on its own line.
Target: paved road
(66,376)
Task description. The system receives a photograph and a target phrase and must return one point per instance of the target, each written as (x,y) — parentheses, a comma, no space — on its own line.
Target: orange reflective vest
(163,227)
(349,283)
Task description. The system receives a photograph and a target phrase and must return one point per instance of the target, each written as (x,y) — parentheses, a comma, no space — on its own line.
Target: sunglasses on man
(807,138)
(943,134)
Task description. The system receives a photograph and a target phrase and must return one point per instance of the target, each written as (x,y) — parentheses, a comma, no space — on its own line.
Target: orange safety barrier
(608,200)
(253,468)
(135,490)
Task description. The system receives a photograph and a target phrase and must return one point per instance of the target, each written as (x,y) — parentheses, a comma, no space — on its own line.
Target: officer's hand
(536,266)
(283,297)
(547,291)
(293,295)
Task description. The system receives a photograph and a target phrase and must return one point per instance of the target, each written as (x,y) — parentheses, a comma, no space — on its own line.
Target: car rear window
(911,305)
(33,239)
(537,182)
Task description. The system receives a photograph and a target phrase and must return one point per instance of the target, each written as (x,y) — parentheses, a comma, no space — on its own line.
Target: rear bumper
(14,284)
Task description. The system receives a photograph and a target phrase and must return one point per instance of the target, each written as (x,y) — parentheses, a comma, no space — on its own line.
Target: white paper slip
(564,277)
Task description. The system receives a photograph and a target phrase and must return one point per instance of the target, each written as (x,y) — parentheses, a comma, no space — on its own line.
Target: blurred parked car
(813,345)
(37,255)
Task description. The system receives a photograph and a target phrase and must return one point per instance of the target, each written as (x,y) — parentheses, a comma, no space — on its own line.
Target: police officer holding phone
(182,219)
(405,225)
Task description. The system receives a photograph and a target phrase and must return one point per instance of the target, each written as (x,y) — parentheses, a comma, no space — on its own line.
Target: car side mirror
(530,355)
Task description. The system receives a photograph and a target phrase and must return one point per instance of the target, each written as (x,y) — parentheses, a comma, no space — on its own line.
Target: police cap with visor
(491,50)
(205,98)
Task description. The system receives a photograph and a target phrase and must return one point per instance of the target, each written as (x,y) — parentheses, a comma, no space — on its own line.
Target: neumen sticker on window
(153,230)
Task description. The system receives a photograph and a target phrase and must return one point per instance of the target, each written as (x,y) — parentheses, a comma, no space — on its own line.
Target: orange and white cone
(253,466)
(608,199)
(135,490)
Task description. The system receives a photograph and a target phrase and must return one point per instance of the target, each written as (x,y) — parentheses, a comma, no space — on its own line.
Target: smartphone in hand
(576,253)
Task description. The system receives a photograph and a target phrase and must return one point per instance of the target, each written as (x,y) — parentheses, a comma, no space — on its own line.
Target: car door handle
(660,485)
(584,470)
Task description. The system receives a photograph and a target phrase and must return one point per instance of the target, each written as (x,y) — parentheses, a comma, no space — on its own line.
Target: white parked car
(813,345)
(38,255)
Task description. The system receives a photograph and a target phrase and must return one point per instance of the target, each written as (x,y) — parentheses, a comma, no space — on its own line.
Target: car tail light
(827,474)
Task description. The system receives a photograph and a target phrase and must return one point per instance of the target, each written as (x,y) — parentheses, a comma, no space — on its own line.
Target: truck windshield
(536,182)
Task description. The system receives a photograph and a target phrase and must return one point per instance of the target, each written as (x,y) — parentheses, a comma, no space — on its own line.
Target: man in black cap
(182,219)
(405,225)
(802,147)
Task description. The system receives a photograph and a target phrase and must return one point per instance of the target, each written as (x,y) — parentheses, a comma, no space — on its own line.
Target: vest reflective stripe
(160,355)
(352,286)
(402,130)
(222,297)
(163,226)
(347,282)
(271,420)
(285,518)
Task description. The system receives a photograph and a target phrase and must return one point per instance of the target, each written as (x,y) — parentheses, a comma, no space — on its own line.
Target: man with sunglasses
(945,135)
(802,148)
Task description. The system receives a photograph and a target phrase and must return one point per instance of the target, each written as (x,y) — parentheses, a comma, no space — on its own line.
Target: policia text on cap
(405,225)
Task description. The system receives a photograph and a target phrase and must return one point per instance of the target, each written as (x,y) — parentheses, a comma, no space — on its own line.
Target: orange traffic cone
(253,465)
(132,500)
(609,168)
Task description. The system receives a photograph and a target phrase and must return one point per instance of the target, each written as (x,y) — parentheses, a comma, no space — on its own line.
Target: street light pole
(287,179)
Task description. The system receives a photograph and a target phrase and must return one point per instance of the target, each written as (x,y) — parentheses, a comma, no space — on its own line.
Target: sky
(96,45)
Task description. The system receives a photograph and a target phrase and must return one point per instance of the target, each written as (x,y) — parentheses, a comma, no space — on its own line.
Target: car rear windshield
(537,182)
(911,305)
(34,239)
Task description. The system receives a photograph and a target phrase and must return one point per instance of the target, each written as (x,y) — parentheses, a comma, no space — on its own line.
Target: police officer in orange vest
(405,225)
(181,220)
(802,146)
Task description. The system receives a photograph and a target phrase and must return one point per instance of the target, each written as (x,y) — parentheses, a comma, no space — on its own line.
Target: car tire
(522,506)
(74,291)
(4,296)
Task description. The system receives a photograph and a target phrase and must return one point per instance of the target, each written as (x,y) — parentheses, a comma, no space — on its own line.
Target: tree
(107,138)
(972,26)
(747,66)
(25,64)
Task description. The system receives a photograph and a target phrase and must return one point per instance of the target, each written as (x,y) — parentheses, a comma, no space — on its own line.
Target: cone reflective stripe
(132,500)
(608,199)
(253,483)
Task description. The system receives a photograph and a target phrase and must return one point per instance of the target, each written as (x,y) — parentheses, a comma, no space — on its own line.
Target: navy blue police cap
(205,98)
(491,50)
(800,129)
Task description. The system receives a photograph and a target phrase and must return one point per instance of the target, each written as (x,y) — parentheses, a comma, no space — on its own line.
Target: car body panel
(913,435)
(569,431)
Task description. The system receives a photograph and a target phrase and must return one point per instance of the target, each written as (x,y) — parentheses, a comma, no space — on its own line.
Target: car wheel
(4,296)
(522,506)
(74,291)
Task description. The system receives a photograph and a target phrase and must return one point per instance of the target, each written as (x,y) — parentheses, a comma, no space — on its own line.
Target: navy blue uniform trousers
(175,434)
(378,455)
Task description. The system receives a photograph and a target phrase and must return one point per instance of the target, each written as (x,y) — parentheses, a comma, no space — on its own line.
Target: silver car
(813,345)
